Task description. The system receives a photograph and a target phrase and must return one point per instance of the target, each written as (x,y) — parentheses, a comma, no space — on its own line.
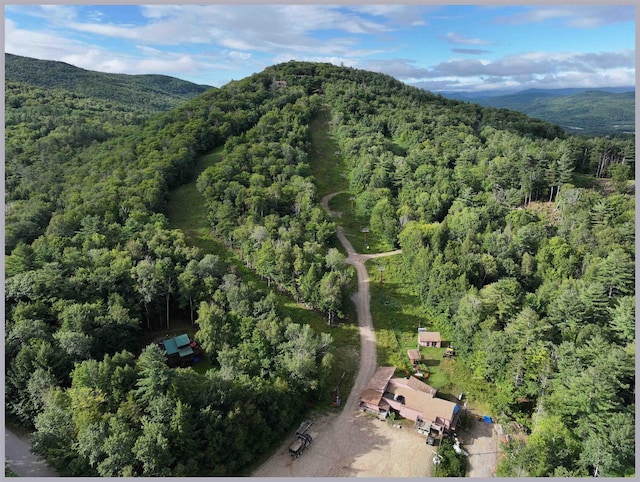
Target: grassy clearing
(395,310)
(397,314)
(186,207)
(353,224)
(186,212)
(326,164)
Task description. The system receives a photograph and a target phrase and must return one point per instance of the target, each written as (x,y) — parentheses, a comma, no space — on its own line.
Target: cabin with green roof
(181,351)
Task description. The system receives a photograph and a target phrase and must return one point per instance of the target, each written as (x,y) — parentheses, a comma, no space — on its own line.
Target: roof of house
(371,396)
(381,378)
(419,398)
(414,354)
(178,344)
(429,336)
(422,402)
(438,408)
(377,385)
(419,385)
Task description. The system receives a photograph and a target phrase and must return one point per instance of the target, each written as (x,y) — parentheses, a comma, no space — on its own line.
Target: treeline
(530,276)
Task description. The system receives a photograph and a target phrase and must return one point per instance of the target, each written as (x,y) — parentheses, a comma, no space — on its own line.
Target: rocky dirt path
(352,443)
(20,459)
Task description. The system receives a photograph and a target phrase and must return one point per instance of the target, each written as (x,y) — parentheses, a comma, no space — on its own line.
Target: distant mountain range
(582,111)
(145,92)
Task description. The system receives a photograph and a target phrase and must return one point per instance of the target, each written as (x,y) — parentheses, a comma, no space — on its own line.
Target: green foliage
(451,464)
(585,113)
(529,277)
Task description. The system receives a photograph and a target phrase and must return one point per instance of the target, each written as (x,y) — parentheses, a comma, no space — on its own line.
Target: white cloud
(188,41)
(578,16)
(459,39)
(39,45)
(533,69)
(252,27)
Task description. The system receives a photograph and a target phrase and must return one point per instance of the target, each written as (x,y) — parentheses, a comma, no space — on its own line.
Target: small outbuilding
(181,351)
(414,356)
(429,338)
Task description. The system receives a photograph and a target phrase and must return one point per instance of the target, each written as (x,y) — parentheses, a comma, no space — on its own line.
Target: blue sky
(441,48)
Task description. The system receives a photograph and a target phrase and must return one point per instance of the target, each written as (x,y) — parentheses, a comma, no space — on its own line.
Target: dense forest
(525,265)
(149,93)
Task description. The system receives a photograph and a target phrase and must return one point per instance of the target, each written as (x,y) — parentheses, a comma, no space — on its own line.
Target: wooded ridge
(151,93)
(591,112)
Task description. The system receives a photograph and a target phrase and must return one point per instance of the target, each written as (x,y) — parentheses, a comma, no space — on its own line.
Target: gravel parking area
(371,448)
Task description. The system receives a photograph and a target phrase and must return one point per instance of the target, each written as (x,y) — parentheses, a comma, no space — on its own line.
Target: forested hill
(525,267)
(145,92)
(587,113)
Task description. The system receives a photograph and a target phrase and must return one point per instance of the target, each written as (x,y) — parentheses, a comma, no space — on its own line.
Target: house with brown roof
(410,398)
(429,338)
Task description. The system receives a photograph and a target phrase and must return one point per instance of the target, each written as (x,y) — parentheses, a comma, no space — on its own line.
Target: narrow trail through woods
(21,460)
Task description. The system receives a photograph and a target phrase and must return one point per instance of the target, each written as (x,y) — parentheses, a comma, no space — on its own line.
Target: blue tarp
(487,419)
(455,409)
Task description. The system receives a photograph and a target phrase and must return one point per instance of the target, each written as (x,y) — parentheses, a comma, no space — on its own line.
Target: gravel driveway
(481,441)
(352,443)
(356,446)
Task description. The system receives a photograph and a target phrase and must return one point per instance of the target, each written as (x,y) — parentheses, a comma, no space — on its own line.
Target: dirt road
(17,454)
(352,443)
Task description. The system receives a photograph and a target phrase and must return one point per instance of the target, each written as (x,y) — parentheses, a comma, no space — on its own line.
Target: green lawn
(397,313)
(326,163)
(186,208)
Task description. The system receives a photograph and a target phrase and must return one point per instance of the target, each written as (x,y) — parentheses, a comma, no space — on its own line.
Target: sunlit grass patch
(324,157)
(353,224)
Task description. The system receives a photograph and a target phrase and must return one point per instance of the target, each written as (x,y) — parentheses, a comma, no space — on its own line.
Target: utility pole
(365,231)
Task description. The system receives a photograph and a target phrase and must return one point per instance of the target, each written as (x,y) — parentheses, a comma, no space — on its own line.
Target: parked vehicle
(304,438)
(432,436)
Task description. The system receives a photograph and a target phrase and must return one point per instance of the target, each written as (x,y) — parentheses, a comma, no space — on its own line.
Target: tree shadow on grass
(430,362)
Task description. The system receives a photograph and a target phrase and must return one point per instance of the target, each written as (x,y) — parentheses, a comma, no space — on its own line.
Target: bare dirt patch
(363,447)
